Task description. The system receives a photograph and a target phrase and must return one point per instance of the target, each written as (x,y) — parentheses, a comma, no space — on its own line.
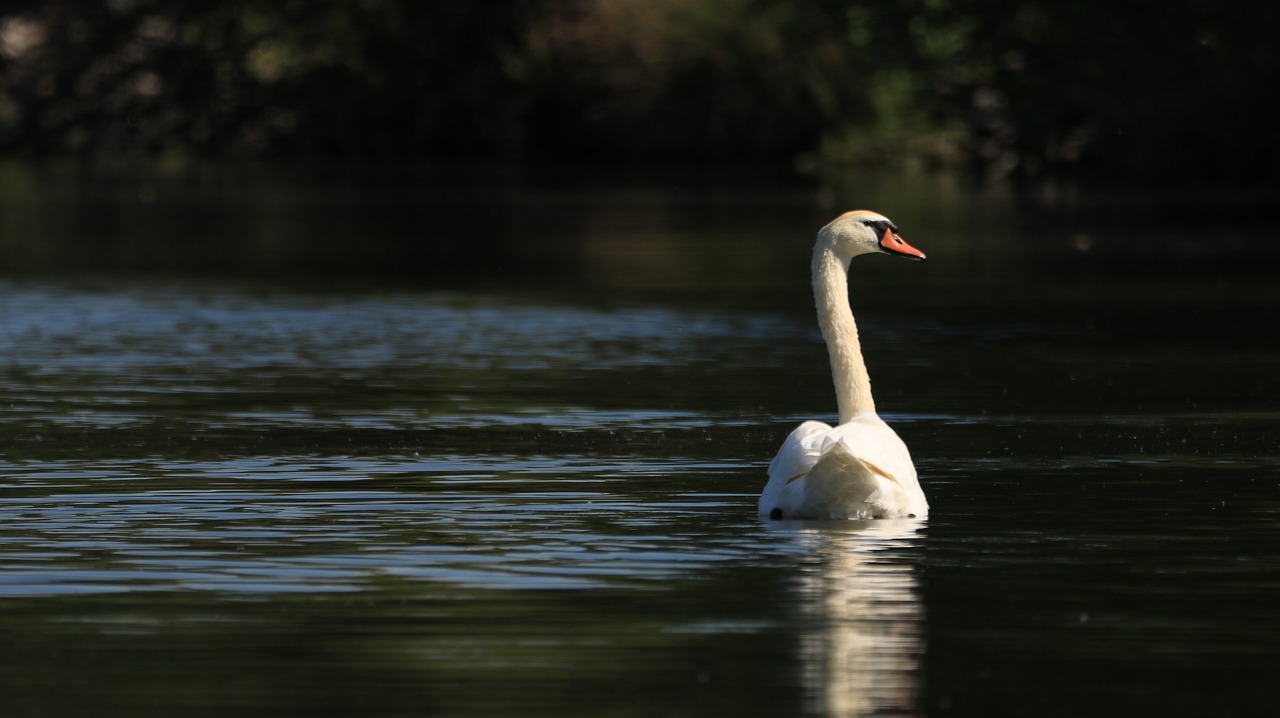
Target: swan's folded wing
(799,452)
(871,440)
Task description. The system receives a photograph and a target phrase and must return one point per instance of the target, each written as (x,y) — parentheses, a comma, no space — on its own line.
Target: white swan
(860,469)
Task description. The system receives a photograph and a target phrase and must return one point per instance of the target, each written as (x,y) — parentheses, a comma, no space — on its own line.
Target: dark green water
(483,444)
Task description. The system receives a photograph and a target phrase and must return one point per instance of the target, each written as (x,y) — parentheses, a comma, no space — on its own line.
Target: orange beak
(894,244)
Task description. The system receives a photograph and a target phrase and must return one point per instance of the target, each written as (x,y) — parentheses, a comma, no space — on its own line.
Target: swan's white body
(859,469)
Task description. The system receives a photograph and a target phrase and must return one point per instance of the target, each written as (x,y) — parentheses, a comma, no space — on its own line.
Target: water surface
(525,483)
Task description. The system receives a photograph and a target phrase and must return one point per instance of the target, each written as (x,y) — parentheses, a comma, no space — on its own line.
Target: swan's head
(864,232)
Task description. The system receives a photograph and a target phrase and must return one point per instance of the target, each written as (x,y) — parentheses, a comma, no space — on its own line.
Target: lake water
(477,444)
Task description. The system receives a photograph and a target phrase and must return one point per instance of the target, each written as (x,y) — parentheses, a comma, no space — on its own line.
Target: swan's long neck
(848,370)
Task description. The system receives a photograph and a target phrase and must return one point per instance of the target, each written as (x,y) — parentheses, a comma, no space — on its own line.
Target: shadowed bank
(1095,89)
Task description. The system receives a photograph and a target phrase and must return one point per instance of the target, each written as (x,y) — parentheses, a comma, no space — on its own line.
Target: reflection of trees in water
(864,636)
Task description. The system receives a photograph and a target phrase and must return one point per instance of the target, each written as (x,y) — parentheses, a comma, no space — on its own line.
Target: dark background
(1176,92)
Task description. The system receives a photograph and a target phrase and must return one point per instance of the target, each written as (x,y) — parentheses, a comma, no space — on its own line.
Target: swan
(858,469)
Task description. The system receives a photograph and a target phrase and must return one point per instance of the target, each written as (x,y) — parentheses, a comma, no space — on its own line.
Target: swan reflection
(862,635)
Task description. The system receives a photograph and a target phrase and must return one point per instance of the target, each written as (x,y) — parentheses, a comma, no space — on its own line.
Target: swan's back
(860,469)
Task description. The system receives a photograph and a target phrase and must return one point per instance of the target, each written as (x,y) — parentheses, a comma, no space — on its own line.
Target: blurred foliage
(1118,88)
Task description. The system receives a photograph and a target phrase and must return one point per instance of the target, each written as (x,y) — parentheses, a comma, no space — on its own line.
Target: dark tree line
(1119,89)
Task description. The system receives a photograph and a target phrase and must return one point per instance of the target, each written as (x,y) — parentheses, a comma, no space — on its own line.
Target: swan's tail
(842,485)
